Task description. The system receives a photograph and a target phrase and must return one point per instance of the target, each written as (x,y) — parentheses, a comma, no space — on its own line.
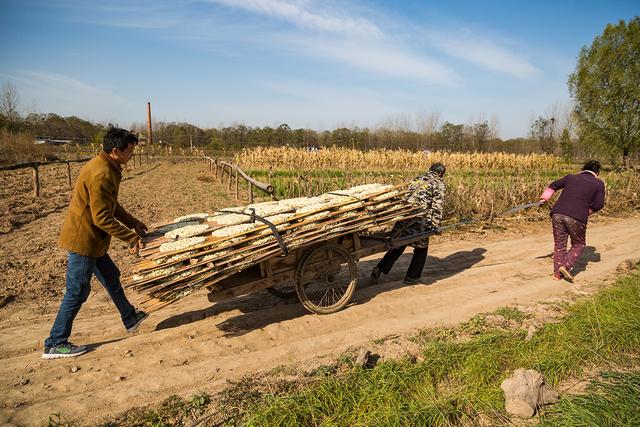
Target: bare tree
(427,124)
(9,103)
(494,126)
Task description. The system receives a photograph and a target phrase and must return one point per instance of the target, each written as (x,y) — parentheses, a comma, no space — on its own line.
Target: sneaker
(375,273)
(565,273)
(64,350)
(410,281)
(140,317)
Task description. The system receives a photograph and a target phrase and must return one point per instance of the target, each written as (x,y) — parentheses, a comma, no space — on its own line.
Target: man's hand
(135,247)
(141,229)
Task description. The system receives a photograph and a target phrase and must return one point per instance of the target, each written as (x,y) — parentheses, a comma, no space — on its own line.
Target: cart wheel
(326,278)
(284,290)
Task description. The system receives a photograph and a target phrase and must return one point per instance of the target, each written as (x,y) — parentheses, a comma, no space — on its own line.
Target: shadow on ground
(274,310)
(588,255)
(435,269)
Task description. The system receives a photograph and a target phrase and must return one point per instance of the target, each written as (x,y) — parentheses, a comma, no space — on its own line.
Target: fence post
(250,192)
(236,184)
(215,168)
(69,173)
(36,181)
(230,175)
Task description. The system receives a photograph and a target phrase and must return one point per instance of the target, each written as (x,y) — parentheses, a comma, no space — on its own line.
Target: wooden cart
(323,275)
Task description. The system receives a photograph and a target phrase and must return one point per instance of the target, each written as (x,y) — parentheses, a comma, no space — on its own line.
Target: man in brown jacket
(93,217)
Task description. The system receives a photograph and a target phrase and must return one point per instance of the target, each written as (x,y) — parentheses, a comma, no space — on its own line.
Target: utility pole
(149,132)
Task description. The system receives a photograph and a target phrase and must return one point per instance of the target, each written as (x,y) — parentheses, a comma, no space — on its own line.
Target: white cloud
(388,59)
(297,14)
(484,52)
(358,43)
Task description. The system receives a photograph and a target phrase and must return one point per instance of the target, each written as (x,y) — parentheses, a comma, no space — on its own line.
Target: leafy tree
(565,145)
(481,133)
(542,129)
(342,137)
(282,134)
(606,91)
(451,135)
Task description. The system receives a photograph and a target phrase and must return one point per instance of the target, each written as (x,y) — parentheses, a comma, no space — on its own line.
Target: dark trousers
(565,227)
(79,271)
(417,261)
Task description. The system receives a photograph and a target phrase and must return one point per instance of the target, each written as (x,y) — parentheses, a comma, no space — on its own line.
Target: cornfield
(286,158)
(479,185)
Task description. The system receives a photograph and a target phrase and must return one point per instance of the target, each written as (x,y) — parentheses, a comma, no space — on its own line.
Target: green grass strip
(612,401)
(460,381)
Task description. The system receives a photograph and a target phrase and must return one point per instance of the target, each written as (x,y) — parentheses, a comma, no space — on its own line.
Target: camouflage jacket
(426,191)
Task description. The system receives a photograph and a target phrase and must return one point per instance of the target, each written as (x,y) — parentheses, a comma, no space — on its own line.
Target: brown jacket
(94,214)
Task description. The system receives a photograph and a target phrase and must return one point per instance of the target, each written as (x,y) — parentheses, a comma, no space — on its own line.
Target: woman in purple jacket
(582,194)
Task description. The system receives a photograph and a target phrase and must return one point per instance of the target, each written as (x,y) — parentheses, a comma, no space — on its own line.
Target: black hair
(592,165)
(118,138)
(438,168)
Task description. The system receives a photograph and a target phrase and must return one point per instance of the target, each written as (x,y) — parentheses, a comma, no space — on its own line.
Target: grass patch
(612,400)
(511,313)
(459,382)
(174,411)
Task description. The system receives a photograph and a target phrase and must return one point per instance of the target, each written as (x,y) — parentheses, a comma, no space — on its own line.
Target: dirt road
(196,346)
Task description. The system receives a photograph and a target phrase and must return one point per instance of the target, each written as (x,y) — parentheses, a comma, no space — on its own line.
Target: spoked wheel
(326,278)
(284,290)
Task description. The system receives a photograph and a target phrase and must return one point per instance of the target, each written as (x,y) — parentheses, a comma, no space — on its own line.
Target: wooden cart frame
(323,275)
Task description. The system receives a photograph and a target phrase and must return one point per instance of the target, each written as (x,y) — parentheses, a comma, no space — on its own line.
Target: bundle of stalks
(201,250)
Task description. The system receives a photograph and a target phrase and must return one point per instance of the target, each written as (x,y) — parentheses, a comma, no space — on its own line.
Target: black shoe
(63,350)
(140,317)
(375,273)
(410,281)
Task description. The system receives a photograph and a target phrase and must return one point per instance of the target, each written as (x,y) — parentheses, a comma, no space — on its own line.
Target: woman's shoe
(565,273)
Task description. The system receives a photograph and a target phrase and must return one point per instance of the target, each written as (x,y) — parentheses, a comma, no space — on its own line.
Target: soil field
(196,346)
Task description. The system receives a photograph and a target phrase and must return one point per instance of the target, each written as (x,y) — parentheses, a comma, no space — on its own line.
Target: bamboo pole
(267,188)
(36,181)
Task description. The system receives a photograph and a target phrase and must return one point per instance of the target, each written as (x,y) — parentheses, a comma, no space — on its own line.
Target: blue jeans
(79,271)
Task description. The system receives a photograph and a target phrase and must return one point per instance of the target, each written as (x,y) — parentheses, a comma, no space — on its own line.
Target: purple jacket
(580,193)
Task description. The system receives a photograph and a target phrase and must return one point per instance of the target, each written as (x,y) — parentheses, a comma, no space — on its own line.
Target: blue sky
(307,63)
